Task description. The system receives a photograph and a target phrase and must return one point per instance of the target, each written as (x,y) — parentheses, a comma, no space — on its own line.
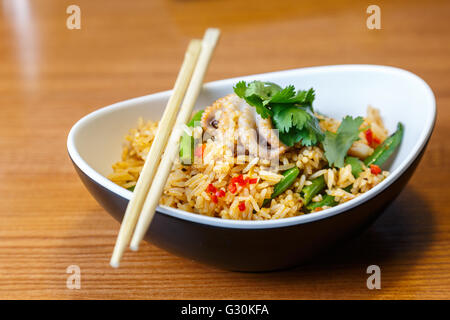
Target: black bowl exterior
(254,250)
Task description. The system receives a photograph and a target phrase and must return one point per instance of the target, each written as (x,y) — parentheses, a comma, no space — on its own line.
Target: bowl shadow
(395,242)
(408,220)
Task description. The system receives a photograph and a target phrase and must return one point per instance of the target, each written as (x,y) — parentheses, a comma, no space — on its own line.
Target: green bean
(187,141)
(288,179)
(386,149)
(379,156)
(327,200)
(310,191)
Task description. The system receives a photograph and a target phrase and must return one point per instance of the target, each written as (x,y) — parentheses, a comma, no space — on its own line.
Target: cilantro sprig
(291,111)
(336,145)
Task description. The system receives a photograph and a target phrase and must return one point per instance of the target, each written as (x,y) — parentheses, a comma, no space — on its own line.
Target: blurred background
(50,76)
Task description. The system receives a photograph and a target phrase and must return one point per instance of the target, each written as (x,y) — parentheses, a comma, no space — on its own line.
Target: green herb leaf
(357,165)
(290,111)
(240,88)
(286,117)
(337,144)
(283,96)
(291,137)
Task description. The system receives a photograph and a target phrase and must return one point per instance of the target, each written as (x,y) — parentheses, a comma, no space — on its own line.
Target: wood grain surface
(51,76)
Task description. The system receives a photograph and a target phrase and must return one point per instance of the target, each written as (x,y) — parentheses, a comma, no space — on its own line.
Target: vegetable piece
(214,194)
(187,141)
(380,155)
(337,144)
(131,188)
(186,149)
(371,139)
(240,180)
(241,206)
(295,124)
(310,191)
(327,200)
(210,188)
(288,179)
(357,165)
(196,118)
(375,169)
(220,193)
(291,111)
(255,93)
(386,149)
(232,187)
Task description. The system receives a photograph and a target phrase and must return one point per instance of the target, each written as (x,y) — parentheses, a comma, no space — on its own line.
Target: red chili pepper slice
(220,193)
(243,183)
(375,169)
(232,187)
(239,179)
(369,136)
(211,188)
(376,141)
(253,181)
(241,206)
(372,140)
(214,198)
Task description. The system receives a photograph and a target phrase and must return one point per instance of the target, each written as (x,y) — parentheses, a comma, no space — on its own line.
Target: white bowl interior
(97,139)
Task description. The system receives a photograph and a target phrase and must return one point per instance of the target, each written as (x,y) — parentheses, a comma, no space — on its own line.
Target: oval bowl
(94,144)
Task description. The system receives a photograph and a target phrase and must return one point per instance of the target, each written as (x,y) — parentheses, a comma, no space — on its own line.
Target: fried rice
(189,186)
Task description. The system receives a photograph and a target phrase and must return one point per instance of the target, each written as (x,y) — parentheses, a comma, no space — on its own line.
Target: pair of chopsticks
(154,174)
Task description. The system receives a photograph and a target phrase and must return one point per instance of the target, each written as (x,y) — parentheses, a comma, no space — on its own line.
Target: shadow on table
(395,241)
(403,230)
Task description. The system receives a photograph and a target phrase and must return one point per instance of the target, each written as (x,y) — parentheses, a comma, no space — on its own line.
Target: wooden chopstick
(151,163)
(148,211)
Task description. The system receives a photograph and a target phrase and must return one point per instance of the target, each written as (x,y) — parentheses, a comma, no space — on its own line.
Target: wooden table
(51,76)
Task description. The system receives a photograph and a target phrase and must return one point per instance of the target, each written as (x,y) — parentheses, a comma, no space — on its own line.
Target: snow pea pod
(386,149)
